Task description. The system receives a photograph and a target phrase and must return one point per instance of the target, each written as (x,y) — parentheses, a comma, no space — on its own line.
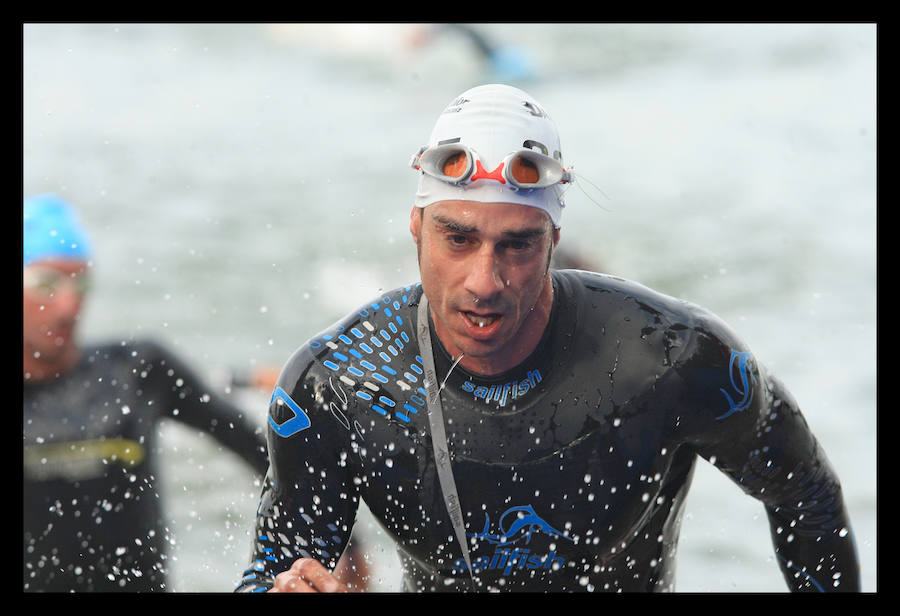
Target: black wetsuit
(571,469)
(93,518)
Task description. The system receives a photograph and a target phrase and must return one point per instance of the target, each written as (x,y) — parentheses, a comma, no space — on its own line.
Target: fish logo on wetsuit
(524,523)
(740,365)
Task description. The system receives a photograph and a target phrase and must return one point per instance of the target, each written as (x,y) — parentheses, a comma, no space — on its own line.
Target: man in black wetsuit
(518,428)
(93,518)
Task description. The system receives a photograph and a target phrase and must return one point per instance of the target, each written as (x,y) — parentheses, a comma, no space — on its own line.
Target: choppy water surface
(248,184)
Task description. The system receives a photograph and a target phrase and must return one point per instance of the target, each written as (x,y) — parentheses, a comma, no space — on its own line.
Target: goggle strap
(414,161)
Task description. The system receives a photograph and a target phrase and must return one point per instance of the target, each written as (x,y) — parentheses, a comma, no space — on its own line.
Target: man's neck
(39,369)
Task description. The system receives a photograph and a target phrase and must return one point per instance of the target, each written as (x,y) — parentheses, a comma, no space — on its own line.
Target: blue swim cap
(52,230)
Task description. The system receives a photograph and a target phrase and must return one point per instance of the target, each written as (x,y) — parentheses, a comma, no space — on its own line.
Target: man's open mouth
(480,320)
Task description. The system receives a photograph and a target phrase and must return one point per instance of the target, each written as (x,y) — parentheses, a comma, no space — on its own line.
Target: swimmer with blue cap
(56,257)
(76,449)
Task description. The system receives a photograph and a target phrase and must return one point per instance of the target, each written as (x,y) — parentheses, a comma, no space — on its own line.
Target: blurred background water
(247,184)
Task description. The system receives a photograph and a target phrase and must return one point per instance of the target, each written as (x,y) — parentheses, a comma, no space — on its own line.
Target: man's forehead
(60,265)
(472,217)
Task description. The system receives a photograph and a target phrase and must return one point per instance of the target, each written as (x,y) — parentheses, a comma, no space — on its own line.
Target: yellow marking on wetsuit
(123,450)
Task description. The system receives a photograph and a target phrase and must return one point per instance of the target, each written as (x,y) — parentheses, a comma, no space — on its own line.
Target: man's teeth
(480,321)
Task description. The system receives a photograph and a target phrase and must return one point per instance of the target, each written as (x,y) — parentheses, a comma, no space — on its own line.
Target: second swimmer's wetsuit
(92,514)
(571,469)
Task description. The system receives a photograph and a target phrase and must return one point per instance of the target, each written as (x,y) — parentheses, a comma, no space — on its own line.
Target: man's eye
(43,285)
(458,239)
(517,245)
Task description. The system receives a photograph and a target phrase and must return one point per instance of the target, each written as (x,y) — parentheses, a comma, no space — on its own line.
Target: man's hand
(307,575)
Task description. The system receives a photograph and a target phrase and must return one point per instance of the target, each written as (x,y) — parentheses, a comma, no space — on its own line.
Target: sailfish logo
(740,365)
(516,524)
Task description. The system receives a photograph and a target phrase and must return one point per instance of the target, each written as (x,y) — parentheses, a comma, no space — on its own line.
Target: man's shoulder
(379,320)
(619,292)
(375,332)
(130,349)
(605,300)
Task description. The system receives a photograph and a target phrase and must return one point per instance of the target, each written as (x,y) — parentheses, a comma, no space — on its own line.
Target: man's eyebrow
(452,225)
(524,234)
(457,227)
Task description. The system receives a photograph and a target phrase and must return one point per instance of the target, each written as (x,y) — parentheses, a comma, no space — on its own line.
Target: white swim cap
(492,122)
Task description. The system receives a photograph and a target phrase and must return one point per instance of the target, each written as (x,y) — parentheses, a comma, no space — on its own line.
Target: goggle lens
(523,170)
(456,165)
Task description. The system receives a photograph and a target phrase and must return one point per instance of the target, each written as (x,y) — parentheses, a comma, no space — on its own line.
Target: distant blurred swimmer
(507,63)
(93,518)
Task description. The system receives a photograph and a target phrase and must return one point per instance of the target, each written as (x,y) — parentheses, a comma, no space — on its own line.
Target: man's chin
(481,353)
(58,345)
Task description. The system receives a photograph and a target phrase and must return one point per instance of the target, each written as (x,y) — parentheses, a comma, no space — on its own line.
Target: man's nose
(485,280)
(67,300)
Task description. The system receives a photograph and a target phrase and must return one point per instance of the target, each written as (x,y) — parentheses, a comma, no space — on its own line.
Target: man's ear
(415,223)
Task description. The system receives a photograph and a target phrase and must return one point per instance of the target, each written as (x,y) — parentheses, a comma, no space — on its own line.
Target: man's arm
(188,400)
(309,499)
(747,424)
(808,519)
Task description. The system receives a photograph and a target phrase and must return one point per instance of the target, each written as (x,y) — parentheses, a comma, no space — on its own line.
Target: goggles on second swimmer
(45,283)
(457,164)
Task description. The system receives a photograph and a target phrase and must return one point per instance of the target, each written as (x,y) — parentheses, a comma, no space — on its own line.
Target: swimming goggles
(45,282)
(458,164)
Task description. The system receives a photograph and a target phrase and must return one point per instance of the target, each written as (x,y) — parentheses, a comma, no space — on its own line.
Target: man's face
(485,271)
(51,300)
